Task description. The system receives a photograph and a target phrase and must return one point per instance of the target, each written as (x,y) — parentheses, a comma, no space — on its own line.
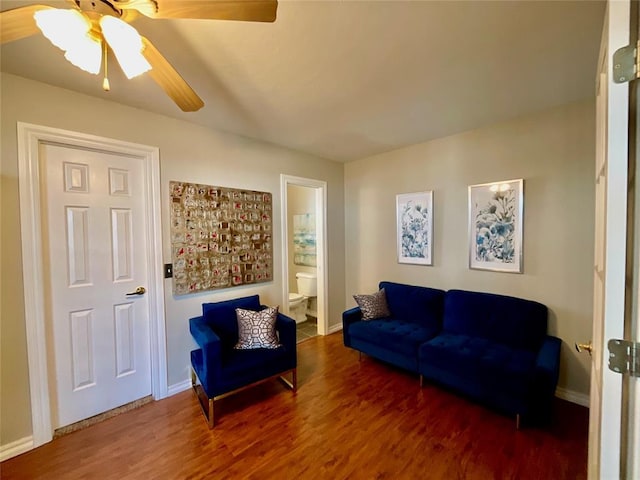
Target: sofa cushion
(221,316)
(409,303)
(373,306)
(493,365)
(238,361)
(257,329)
(392,334)
(507,320)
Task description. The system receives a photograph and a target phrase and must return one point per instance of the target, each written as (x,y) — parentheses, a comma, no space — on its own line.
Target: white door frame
(605,422)
(29,176)
(320,188)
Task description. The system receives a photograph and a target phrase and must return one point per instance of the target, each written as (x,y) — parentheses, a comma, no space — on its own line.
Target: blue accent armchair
(219,370)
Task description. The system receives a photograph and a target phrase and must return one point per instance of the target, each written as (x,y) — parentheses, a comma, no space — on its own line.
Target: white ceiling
(348,79)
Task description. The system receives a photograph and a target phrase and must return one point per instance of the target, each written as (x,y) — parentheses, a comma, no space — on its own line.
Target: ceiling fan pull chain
(105,83)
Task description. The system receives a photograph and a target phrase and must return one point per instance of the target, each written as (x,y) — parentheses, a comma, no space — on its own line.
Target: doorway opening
(304,254)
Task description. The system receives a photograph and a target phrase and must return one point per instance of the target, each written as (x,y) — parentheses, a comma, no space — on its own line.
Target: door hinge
(624,357)
(625,64)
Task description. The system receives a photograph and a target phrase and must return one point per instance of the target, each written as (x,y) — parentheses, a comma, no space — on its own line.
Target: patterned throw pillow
(257,329)
(373,306)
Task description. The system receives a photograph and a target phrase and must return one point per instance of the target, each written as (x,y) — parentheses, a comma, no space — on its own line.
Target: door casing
(320,188)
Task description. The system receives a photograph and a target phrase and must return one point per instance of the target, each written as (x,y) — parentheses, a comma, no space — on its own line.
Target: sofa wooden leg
(211,417)
(421,381)
(517,421)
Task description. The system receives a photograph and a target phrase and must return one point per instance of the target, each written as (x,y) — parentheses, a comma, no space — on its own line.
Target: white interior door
(605,414)
(95,244)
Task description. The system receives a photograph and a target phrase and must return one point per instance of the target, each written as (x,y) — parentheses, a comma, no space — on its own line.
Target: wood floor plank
(350,419)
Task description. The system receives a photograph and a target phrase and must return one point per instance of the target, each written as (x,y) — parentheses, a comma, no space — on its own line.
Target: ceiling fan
(90,28)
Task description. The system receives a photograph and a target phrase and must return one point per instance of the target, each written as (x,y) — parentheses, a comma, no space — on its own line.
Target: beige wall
(554,153)
(187,152)
(300,200)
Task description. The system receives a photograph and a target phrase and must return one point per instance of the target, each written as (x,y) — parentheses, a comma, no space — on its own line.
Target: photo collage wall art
(220,237)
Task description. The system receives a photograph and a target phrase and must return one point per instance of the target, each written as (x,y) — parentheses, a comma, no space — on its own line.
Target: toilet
(297,307)
(298,302)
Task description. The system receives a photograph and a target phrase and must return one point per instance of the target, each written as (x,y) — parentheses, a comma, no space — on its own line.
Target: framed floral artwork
(414,217)
(495,226)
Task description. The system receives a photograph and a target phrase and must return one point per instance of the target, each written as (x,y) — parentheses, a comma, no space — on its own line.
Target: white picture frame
(495,226)
(414,227)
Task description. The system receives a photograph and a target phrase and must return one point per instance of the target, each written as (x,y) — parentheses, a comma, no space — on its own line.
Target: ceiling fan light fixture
(69,30)
(87,55)
(62,27)
(126,44)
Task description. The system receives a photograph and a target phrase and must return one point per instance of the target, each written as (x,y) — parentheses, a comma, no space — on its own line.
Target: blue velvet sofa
(416,316)
(492,348)
(218,370)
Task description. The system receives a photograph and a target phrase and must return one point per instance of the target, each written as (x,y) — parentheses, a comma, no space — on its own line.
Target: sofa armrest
(211,347)
(352,315)
(202,333)
(547,369)
(548,359)
(348,317)
(286,327)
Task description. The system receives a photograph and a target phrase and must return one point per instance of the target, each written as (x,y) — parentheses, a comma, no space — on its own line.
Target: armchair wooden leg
(293,384)
(207,409)
(517,421)
(421,381)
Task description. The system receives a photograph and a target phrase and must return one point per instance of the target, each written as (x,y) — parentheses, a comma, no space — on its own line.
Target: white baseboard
(572,396)
(335,328)
(14,449)
(179,387)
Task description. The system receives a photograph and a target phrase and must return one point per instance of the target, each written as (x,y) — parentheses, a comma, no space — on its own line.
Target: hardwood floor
(349,419)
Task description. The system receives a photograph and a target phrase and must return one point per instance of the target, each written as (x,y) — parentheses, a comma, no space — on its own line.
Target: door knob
(584,347)
(138,291)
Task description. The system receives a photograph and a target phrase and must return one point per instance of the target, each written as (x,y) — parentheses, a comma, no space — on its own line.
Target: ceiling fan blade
(170,80)
(245,10)
(19,23)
